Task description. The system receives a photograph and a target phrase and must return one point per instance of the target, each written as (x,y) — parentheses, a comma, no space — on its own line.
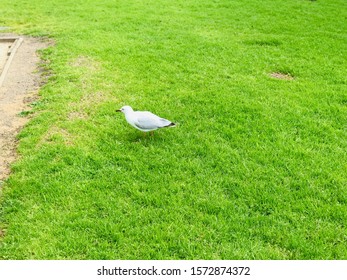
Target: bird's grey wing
(147,120)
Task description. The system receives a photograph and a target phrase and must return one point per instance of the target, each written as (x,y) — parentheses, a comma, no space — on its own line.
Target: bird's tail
(170,124)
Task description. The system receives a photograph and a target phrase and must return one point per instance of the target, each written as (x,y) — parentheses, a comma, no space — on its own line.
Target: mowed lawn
(255,169)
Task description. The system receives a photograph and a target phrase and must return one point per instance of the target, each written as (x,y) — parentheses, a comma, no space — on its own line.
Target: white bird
(144,120)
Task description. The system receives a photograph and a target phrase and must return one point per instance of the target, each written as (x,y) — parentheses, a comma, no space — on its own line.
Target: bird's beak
(118,110)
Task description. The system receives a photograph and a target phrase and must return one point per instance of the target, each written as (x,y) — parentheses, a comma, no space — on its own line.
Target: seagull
(144,120)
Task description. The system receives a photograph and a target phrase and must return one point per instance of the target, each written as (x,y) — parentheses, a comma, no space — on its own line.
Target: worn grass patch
(256,168)
(281,76)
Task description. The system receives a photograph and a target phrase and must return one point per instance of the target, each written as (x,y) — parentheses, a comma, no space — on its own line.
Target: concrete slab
(4,47)
(8,48)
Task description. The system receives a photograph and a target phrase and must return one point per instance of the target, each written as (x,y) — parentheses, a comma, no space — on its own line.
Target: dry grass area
(281,76)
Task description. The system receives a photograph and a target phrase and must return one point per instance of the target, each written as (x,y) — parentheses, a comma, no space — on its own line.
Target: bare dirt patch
(281,76)
(18,90)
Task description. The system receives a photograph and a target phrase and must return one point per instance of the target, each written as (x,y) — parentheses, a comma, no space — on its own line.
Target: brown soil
(18,90)
(281,76)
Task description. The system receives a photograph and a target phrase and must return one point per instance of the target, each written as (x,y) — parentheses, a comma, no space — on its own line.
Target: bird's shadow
(145,138)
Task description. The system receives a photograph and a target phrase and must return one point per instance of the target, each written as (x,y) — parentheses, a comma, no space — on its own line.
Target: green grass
(256,168)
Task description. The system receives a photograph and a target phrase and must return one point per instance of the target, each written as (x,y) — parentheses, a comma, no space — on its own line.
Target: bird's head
(125,109)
